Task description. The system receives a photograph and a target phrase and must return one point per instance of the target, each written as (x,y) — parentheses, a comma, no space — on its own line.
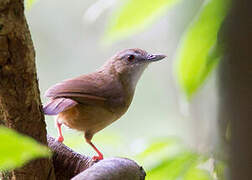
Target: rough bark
(235,86)
(19,93)
(69,164)
(1,116)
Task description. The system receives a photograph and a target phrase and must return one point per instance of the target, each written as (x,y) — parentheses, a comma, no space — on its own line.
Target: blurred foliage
(197,174)
(29,3)
(17,149)
(75,140)
(199,51)
(135,15)
(219,169)
(169,159)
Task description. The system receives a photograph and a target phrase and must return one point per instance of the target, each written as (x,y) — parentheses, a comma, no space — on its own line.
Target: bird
(91,102)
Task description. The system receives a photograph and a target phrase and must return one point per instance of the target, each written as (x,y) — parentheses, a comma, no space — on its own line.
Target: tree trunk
(19,93)
(235,86)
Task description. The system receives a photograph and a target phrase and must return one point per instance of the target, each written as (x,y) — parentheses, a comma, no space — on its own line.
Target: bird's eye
(131,58)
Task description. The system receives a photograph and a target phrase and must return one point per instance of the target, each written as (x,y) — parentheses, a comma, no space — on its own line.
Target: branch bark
(69,164)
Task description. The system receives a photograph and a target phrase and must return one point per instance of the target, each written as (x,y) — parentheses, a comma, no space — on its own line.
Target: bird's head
(131,63)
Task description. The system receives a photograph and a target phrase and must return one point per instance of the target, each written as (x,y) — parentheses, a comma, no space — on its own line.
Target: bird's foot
(60,139)
(97,158)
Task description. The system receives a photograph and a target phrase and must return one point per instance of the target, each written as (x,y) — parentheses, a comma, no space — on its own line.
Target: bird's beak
(155,57)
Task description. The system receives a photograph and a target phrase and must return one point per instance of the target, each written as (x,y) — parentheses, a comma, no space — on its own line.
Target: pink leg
(60,138)
(88,137)
(100,156)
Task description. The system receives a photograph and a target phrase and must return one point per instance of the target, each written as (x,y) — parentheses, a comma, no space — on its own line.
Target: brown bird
(91,102)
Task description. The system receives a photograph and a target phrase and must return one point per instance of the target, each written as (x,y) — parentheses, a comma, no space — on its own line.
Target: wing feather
(85,89)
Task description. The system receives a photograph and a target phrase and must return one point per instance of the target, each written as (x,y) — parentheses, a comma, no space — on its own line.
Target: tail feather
(55,106)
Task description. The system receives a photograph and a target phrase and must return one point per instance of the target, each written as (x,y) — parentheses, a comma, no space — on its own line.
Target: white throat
(135,75)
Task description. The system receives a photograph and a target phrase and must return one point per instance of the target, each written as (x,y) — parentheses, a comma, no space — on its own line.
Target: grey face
(137,56)
(131,63)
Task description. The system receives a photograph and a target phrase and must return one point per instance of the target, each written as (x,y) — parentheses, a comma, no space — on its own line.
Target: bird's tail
(55,106)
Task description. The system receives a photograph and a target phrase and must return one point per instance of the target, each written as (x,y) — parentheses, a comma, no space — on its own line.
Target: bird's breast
(119,105)
(88,117)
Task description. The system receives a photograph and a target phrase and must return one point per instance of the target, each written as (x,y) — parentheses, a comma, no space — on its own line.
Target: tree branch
(113,169)
(69,164)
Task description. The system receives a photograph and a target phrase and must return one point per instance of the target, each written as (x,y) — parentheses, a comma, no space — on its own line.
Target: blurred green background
(169,129)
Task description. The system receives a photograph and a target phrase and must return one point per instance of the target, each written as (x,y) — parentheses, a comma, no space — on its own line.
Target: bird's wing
(86,89)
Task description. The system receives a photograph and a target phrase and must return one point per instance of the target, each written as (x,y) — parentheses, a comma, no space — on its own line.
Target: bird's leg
(100,155)
(59,124)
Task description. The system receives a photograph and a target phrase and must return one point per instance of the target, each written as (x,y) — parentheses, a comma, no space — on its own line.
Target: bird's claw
(97,158)
(60,139)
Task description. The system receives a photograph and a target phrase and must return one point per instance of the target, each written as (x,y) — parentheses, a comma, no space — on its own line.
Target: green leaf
(199,51)
(197,174)
(29,3)
(17,149)
(168,159)
(135,15)
(171,169)
(159,150)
